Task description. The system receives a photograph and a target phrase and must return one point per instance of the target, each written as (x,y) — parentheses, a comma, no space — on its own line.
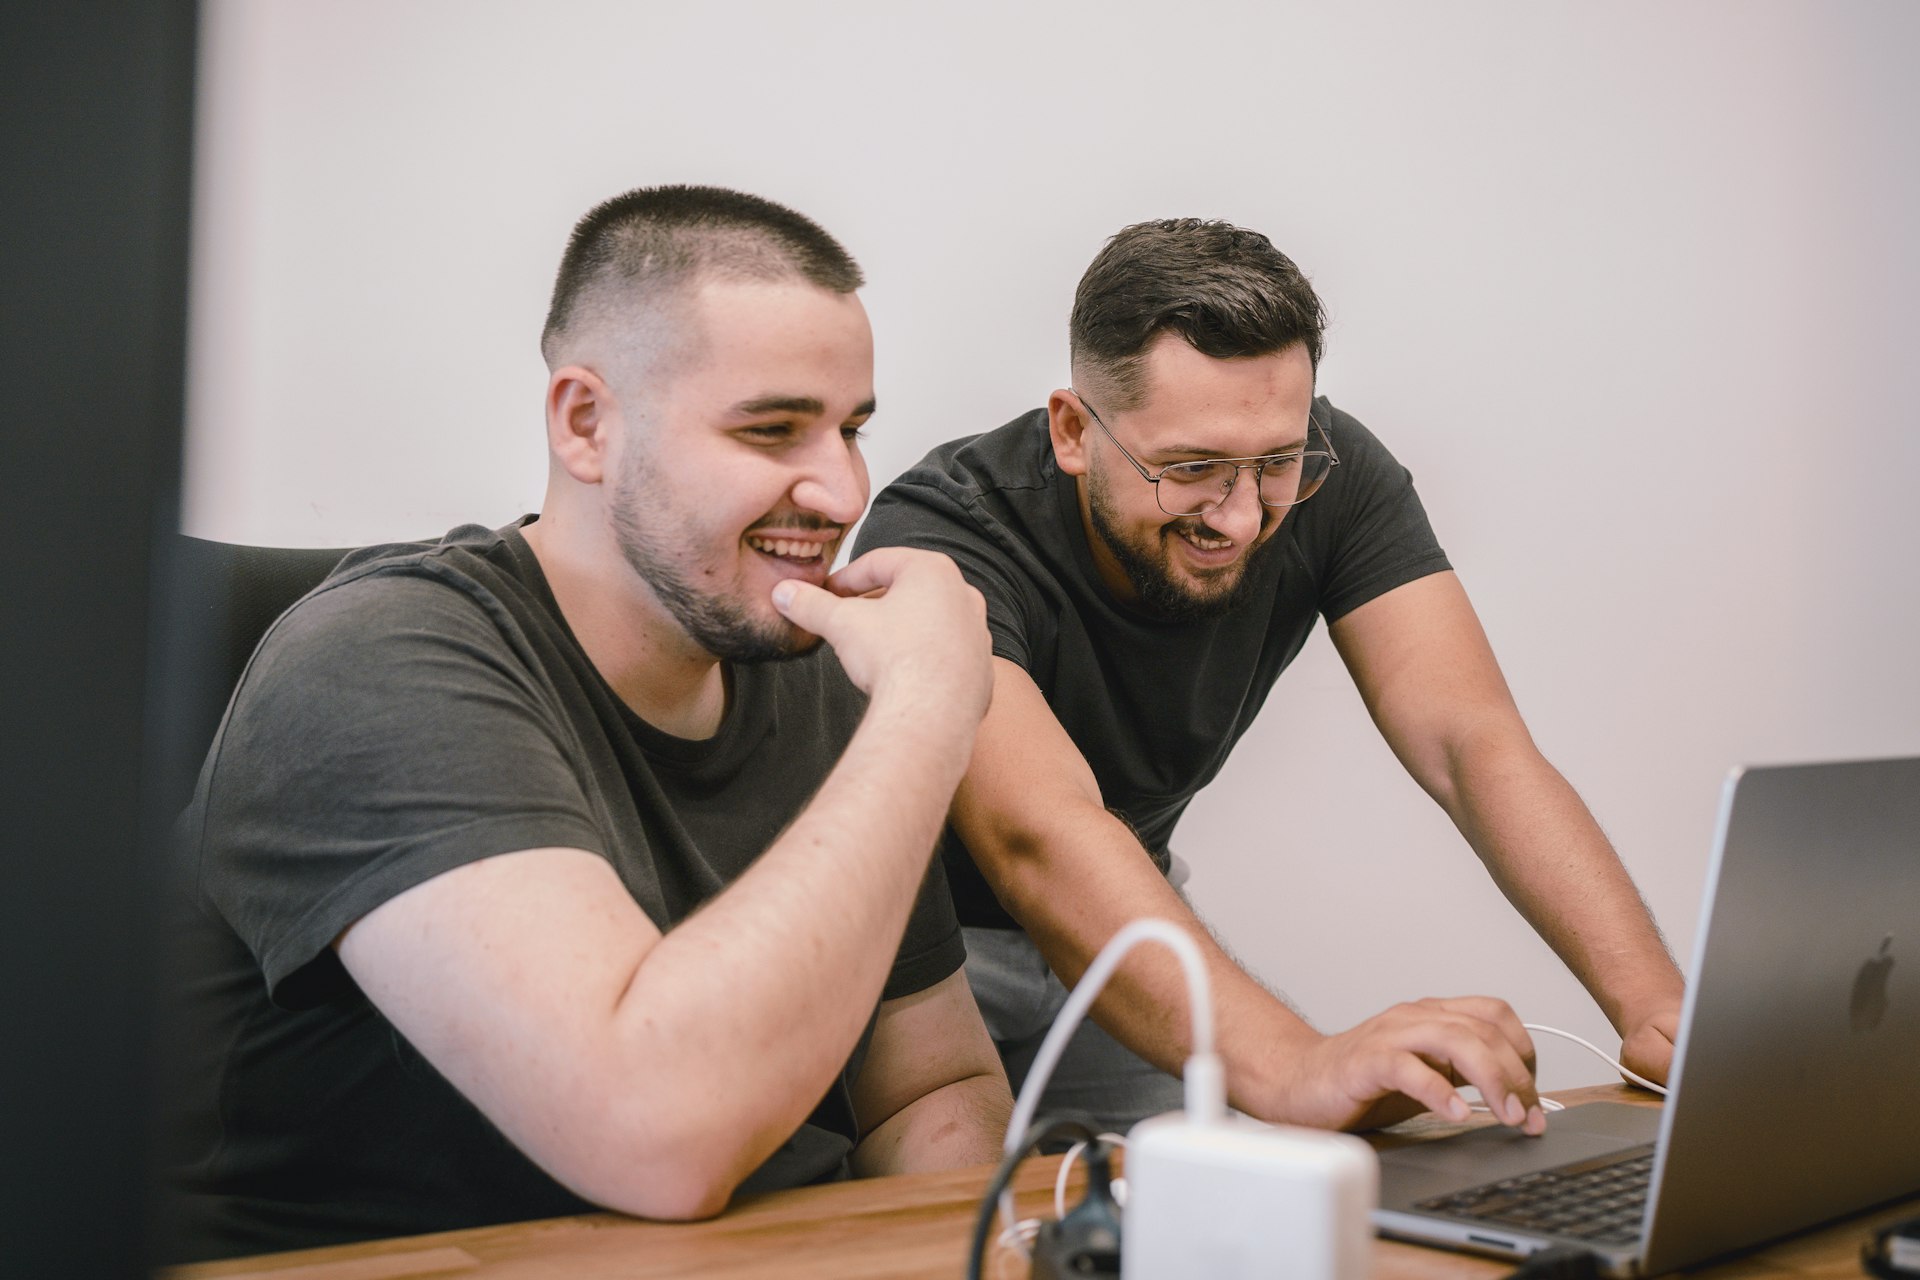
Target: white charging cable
(1203,1074)
(1551,1104)
(1599,1053)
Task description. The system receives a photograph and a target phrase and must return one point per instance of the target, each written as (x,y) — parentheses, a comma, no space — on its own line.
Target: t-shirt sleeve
(384,733)
(932,948)
(911,513)
(1374,536)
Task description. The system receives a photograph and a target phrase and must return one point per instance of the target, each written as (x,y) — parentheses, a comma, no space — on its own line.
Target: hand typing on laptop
(1410,1059)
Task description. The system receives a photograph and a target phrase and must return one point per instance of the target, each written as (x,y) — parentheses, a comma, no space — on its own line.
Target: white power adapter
(1208,1196)
(1235,1199)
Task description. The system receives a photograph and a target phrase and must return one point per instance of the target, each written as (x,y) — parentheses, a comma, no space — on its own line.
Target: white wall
(1630,288)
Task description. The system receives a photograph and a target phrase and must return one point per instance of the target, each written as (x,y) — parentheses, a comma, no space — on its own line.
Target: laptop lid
(1796,1082)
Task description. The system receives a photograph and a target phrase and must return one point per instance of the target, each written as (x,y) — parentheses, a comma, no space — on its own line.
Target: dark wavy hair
(1225,290)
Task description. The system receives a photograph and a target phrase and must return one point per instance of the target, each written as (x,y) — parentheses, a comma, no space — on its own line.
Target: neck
(642,653)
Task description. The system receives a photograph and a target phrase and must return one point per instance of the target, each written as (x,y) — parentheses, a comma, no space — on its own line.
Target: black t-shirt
(1154,706)
(424,708)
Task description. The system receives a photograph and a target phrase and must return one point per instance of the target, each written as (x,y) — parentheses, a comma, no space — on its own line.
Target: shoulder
(354,623)
(1368,473)
(1366,531)
(471,559)
(964,477)
(463,575)
(1353,441)
(988,501)
(1017,454)
(386,612)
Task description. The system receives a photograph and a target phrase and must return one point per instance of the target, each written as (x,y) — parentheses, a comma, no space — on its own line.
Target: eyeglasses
(1195,488)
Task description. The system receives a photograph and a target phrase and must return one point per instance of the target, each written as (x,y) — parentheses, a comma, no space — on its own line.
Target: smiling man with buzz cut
(562,865)
(1155,546)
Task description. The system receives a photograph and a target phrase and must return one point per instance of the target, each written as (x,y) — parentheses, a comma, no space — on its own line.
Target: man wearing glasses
(1155,547)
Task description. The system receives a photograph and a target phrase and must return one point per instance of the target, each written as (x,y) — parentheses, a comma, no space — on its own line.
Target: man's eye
(1193,472)
(853,433)
(768,432)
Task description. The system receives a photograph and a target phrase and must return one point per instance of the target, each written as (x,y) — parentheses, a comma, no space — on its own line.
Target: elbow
(1015,842)
(663,1189)
(1024,861)
(1488,754)
(1015,863)
(650,1167)
(678,1195)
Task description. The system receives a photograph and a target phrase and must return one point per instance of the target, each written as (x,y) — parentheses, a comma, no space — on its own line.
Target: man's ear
(581,410)
(1067,424)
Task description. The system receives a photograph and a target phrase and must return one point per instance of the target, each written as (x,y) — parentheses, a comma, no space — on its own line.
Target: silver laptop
(1795,1091)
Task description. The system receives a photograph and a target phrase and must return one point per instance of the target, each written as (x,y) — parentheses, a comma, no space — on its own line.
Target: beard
(722,626)
(1148,565)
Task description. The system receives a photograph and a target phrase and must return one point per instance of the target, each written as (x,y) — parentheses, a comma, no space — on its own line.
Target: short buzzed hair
(644,247)
(1225,290)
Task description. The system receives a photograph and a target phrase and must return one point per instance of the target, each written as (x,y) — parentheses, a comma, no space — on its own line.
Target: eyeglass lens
(1190,488)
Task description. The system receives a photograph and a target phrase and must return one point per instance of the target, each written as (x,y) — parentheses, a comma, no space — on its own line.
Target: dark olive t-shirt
(1154,706)
(424,708)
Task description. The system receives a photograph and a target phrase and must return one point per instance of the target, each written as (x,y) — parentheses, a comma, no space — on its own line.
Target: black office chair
(221,599)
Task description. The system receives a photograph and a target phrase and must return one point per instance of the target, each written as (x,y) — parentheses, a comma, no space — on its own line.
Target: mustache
(1196,526)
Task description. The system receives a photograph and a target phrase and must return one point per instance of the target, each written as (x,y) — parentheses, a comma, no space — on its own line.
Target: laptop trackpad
(1419,1170)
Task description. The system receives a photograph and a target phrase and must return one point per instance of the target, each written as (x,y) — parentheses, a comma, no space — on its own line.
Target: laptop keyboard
(1601,1201)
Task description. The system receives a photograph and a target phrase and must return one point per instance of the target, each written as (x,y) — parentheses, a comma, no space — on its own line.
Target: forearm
(1549,857)
(1031,813)
(1430,681)
(1093,880)
(742,1015)
(952,1127)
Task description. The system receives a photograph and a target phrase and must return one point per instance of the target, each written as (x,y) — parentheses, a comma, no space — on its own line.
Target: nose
(835,480)
(1239,515)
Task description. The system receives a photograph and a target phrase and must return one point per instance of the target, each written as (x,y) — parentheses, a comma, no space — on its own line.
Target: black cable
(1085,1244)
(1042,1131)
(1894,1253)
(1559,1262)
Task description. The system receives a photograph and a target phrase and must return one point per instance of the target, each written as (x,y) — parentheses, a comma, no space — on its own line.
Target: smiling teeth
(1209,544)
(787,548)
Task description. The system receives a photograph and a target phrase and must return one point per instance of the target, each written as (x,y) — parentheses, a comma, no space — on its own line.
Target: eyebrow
(1197,454)
(806,405)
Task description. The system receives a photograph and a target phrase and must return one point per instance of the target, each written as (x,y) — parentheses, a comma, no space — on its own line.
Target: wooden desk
(914,1226)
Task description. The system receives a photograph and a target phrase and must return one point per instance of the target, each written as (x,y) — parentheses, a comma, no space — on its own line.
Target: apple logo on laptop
(1870,988)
